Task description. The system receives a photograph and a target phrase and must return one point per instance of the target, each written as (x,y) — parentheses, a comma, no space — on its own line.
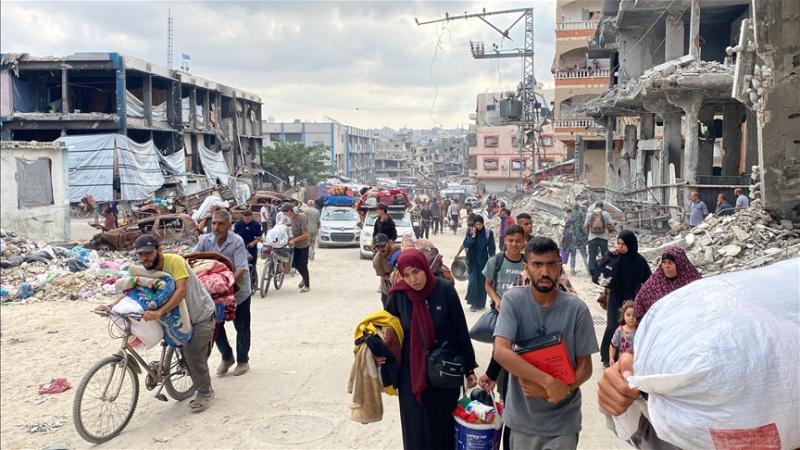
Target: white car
(339,227)
(402,221)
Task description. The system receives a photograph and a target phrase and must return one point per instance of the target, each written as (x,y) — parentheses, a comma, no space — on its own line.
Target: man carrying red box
(544,337)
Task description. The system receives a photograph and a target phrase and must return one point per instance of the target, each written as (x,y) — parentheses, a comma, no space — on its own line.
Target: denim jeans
(242,325)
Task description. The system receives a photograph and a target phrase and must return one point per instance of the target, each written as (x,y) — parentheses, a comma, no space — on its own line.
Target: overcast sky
(363,63)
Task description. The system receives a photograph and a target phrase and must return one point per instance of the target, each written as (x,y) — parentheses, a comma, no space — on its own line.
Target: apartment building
(393,156)
(191,121)
(578,79)
(350,150)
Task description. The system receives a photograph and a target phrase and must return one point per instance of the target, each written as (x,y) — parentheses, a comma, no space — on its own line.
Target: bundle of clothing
(219,281)
(148,290)
(380,334)
(432,255)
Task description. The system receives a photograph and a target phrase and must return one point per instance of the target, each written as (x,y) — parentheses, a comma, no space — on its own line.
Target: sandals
(200,403)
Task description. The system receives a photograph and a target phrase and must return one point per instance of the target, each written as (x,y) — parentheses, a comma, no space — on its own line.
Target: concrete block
(650,144)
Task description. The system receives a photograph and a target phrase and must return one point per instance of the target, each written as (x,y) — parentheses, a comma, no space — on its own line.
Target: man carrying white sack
(734,383)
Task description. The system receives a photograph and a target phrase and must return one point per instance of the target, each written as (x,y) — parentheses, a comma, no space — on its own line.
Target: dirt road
(293,397)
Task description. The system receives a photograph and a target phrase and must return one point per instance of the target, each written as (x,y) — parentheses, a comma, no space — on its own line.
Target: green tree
(293,159)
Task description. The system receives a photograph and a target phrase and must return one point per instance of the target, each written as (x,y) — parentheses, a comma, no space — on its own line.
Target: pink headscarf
(658,285)
(422,334)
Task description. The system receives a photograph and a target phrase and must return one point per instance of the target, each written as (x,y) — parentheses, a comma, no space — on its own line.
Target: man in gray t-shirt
(542,411)
(512,264)
(300,243)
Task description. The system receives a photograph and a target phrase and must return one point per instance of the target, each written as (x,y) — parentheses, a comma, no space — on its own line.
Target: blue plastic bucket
(473,436)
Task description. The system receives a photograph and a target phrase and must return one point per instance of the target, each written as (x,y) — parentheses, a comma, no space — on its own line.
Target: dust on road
(294,395)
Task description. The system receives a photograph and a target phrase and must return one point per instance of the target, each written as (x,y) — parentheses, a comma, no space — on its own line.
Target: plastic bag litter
(719,360)
(80,253)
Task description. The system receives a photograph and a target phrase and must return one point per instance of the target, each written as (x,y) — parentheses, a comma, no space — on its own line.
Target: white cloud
(365,63)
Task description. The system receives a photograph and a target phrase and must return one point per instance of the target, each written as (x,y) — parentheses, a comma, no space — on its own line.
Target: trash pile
(32,271)
(750,238)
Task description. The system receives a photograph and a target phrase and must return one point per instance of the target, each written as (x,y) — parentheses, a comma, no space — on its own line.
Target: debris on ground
(546,204)
(44,426)
(750,238)
(34,271)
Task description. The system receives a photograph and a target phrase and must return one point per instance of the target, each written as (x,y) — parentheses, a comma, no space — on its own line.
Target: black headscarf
(629,270)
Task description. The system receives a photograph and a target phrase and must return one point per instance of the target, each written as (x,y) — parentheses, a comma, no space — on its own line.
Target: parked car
(169,229)
(402,220)
(340,226)
(474,201)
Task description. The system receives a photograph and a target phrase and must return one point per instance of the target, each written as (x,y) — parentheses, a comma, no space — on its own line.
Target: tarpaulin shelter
(93,160)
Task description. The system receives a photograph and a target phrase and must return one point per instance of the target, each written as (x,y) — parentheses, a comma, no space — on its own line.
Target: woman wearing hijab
(479,243)
(675,271)
(430,312)
(627,270)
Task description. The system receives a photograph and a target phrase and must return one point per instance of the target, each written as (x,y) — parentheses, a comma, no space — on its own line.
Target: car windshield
(343,214)
(400,218)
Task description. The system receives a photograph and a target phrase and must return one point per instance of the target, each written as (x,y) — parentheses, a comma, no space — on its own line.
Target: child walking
(622,342)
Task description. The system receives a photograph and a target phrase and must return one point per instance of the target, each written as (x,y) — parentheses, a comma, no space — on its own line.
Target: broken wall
(777,27)
(49,223)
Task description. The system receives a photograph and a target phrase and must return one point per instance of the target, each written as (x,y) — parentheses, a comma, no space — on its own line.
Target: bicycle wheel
(178,383)
(105,400)
(279,275)
(266,278)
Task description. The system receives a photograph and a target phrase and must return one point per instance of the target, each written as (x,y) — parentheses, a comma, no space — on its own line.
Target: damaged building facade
(702,91)
(198,131)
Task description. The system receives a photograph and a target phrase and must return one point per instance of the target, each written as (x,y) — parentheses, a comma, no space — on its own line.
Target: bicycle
(275,267)
(113,384)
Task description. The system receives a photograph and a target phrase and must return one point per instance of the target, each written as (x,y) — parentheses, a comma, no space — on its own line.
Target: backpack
(598,222)
(498,264)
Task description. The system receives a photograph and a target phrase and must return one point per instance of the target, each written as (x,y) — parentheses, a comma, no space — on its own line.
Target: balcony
(582,73)
(578,25)
(580,124)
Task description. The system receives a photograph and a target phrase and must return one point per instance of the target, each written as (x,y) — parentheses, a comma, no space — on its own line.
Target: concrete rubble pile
(546,204)
(748,239)
(32,271)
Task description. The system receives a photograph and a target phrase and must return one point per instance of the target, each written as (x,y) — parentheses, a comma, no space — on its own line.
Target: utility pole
(527,140)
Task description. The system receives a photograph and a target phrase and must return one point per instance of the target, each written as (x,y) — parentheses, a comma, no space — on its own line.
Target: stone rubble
(747,239)
(750,238)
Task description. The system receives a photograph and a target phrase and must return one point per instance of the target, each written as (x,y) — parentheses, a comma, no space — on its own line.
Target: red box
(549,354)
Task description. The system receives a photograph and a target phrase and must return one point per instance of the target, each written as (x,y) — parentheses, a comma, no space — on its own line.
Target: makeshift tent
(160,112)
(139,170)
(91,166)
(186,107)
(214,164)
(133,106)
(173,164)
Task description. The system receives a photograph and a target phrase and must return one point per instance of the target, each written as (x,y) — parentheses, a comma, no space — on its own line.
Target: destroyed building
(199,131)
(701,92)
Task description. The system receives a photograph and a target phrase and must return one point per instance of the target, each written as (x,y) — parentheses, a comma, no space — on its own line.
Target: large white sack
(722,354)
(149,332)
(278,236)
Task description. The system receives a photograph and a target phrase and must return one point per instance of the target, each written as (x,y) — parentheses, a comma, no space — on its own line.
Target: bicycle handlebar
(134,316)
